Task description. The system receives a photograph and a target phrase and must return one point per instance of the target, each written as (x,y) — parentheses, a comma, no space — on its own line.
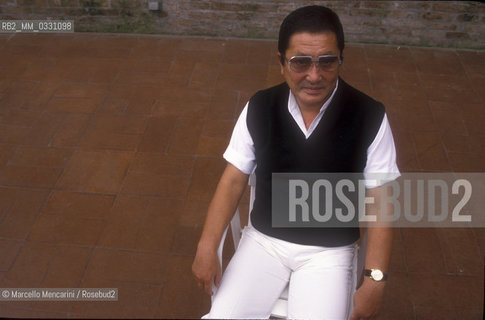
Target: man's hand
(206,269)
(368,300)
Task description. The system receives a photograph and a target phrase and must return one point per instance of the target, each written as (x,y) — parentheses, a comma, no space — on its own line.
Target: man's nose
(313,73)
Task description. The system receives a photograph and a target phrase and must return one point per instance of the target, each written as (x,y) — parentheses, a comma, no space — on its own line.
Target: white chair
(280,309)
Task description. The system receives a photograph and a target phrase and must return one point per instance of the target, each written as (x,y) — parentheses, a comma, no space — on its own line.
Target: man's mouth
(313,90)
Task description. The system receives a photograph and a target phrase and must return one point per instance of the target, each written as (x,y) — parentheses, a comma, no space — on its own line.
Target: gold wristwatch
(375,274)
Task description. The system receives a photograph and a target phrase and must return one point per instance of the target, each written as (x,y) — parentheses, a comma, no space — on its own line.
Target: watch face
(377,275)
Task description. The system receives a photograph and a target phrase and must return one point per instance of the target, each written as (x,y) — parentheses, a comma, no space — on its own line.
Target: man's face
(311,88)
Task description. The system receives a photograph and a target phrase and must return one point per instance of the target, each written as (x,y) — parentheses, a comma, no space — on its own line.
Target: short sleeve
(381,157)
(240,151)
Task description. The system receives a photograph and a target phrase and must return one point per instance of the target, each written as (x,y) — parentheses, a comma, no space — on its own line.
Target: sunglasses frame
(315,61)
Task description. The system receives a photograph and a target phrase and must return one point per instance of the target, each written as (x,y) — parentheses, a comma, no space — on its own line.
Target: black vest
(338,144)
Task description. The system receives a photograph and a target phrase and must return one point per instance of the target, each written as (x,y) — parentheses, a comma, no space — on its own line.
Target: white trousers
(321,280)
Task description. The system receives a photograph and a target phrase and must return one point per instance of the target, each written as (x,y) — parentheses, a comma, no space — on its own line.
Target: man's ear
(281,64)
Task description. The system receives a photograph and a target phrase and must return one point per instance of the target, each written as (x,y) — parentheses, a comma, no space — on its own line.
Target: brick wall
(458,24)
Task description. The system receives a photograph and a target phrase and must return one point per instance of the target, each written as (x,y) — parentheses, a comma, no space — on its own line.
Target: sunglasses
(304,63)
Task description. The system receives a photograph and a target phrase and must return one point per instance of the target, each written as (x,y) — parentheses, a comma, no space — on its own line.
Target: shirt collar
(294,108)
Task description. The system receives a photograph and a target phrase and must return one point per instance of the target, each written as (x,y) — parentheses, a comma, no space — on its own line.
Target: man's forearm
(379,239)
(379,245)
(223,206)
(368,298)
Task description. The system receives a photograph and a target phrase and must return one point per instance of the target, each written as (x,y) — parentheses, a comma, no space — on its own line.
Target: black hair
(311,19)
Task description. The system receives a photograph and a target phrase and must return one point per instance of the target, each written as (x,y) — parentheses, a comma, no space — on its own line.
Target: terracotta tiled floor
(110,149)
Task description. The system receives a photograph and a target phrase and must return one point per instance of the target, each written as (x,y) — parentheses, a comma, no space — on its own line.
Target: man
(314,122)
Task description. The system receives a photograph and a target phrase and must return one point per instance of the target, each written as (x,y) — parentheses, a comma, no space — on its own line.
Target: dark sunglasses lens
(300,64)
(328,62)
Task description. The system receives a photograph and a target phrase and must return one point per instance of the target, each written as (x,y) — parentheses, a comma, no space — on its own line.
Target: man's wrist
(368,282)
(207,246)
(375,274)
